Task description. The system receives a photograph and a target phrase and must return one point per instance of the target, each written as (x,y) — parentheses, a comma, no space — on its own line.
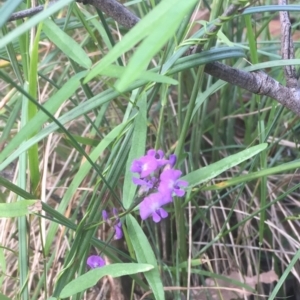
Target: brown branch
(287,46)
(28,12)
(258,83)
(112,8)
(115,10)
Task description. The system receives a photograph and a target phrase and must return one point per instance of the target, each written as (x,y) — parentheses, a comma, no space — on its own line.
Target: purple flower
(118,231)
(160,190)
(145,183)
(95,261)
(149,163)
(151,206)
(144,166)
(172,160)
(170,185)
(159,156)
(105,215)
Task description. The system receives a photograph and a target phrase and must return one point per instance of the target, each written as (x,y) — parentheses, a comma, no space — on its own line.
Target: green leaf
(255,175)
(213,170)
(33,21)
(160,34)
(84,140)
(7,9)
(15,189)
(16,209)
(33,153)
(270,8)
(145,254)
(138,142)
(66,44)
(159,25)
(89,279)
(283,278)
(119,71)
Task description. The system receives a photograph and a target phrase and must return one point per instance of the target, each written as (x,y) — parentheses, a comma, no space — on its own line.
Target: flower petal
(151,206)
(170,185)
(95,261)
(118,231)
(156,217)
(162,213)
(170,174)
(104,215)
(172,160)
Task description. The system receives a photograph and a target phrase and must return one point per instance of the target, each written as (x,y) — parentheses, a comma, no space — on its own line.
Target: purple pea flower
(170,185)
(95,261)
(145,183)
(172,161)
(149,163)
(159,181)
(159,156)
(144,166)
(105,215)
(118,231)
(117,226)
(151,206)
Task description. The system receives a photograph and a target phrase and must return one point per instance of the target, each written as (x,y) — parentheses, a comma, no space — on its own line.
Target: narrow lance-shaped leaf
(31,22)
(213,170)
(66,44)
(165,17)
(89,279)
(154,42)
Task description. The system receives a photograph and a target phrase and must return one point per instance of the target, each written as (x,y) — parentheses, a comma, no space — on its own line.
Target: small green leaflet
(215,169)
(89,279)
(66,44)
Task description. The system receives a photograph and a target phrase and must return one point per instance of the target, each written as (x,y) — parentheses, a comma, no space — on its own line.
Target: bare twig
(287,46)
(112,8)
(28,12)
(258,83)
(115,10)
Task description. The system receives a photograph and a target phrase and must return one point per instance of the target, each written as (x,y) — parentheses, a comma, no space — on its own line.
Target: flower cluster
(158,181)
